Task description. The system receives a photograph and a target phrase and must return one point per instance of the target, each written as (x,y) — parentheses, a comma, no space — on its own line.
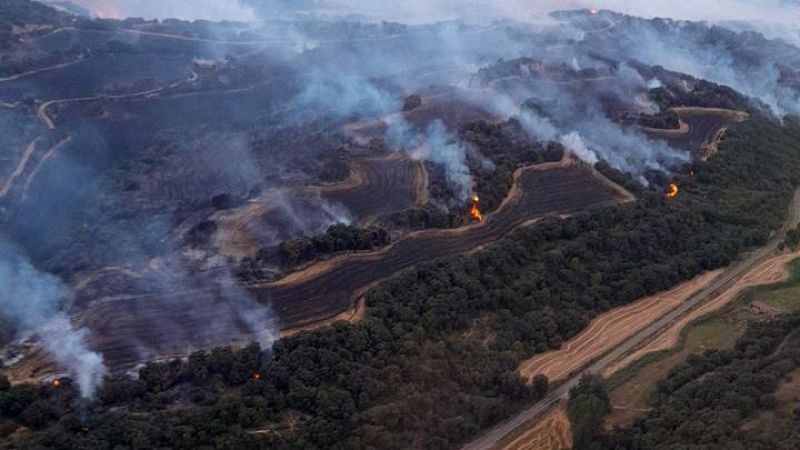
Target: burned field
(705,129)
(330,288)
(539,193)
(378,186)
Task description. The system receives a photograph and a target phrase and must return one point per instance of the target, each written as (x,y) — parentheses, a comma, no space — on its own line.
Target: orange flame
(672,191)
(474,211)
(56,383)
(256,376)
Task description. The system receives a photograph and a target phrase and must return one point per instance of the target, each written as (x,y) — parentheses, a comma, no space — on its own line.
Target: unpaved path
(43,69)
(723,282)
(608,330)
(41,112)
(47,157)
(23,162)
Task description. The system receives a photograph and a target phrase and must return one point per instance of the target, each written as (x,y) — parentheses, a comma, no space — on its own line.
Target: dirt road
(726,280)
(23,162)
(43,69)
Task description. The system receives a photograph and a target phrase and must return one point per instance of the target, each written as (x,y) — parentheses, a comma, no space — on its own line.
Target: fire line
(474,211)
(672,191)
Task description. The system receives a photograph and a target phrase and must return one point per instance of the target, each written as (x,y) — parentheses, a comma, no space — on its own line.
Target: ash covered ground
(153,171)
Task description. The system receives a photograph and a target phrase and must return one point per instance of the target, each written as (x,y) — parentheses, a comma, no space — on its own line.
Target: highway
(493,436)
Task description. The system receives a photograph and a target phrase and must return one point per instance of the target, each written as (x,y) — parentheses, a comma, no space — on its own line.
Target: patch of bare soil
(552,432)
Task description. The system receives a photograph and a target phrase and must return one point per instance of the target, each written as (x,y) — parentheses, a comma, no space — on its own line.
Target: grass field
(630,388)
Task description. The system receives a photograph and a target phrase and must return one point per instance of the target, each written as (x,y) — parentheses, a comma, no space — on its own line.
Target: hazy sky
(786,11)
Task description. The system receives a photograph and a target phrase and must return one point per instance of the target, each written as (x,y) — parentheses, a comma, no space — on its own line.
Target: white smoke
(435,145)
(573,142)
(32,305)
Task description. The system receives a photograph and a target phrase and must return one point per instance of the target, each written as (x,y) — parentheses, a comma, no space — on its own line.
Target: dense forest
(706,401)
(434,361)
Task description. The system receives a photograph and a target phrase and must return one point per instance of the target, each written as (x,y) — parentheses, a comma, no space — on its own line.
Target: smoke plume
(33,306)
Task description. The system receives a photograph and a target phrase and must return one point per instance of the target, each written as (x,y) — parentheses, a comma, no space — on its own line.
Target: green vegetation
(338,238)
(792,240)
(665,120)
(506,148)
(418,371)
(634,385)
(704,402)
(588,404)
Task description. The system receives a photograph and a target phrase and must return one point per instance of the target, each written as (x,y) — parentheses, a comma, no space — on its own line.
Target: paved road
(490,439)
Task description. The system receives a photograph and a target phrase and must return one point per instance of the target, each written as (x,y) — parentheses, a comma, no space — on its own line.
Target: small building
(759,307)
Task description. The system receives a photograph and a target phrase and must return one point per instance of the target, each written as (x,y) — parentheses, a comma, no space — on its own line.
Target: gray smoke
(436,145)
(33,305)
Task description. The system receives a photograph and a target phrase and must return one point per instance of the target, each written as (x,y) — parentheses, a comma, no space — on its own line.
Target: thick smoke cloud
(768,11)
(180,9)
(33,305)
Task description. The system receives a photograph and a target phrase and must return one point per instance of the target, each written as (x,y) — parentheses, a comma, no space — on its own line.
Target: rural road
(493,436)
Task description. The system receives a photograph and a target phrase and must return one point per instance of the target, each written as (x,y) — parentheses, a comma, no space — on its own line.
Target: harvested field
(552,432)
(608,330)
(771,270)
(705,128)
(325,290)
(634,375)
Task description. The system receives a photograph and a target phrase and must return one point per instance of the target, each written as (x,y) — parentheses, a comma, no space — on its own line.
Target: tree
(588,405)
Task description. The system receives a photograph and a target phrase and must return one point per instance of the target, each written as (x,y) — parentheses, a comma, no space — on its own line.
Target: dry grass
(609,330)
(552,432)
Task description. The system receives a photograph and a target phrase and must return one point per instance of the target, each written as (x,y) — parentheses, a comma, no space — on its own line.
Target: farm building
(759,307)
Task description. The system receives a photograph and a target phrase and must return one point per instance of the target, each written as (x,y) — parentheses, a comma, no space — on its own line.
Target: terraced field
(324,290)
(705,128)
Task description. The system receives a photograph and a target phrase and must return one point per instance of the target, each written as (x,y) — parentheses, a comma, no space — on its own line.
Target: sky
(415,11)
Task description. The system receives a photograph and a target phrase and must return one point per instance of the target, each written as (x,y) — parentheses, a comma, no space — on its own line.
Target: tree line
(435,360)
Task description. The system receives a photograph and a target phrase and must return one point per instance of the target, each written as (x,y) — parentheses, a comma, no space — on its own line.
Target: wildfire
(672,191)
(256,376)
(474,211)
(56,383)
(594,11)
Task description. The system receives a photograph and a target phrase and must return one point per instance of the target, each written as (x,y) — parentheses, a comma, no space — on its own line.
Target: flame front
(474,211)
(672,190)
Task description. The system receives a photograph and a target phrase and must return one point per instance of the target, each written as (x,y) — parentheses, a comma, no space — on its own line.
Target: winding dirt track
(751,263)
(43,69)
(312,297)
